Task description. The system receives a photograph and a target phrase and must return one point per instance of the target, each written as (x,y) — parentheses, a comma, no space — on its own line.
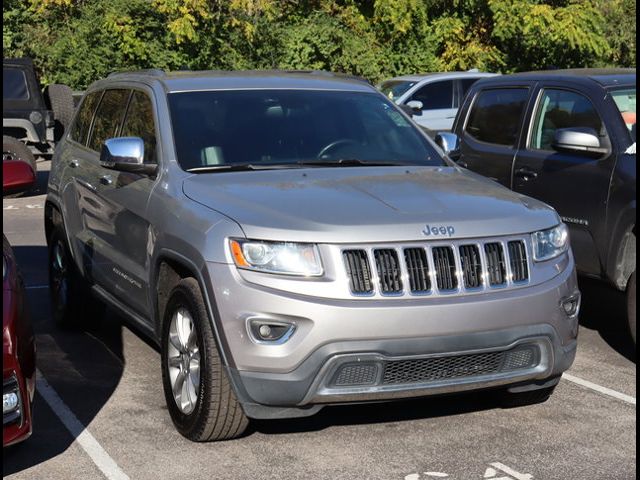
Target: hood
(367,204)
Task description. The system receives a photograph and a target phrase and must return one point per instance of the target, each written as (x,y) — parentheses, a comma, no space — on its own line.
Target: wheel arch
(621,261)
(169,268)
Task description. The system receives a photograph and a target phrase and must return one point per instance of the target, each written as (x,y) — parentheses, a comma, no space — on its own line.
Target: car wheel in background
(198,393)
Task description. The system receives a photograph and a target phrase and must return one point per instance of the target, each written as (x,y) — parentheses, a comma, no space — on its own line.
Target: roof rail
(328,73)
(154,72)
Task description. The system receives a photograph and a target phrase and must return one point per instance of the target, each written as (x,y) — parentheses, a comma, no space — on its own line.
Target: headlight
(277,257)
(550,243)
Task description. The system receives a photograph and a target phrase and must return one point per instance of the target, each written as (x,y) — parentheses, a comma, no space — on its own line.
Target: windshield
(394,89)
(626,103)
(292,127)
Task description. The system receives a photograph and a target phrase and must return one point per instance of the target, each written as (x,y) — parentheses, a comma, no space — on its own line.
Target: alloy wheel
(183,360)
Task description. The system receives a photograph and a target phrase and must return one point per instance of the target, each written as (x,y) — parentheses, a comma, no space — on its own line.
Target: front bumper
(297,377)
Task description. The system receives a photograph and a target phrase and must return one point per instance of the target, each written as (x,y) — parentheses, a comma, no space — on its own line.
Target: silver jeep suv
(293,240)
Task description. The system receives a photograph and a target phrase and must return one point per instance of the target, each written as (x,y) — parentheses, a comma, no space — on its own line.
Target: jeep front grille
(438,269)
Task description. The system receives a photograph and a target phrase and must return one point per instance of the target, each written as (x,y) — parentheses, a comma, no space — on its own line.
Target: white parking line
(87,442)
(601,389)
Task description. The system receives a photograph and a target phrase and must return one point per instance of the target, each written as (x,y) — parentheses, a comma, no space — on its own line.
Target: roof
(606,77)
(18,61)
(442,76)
(187,80)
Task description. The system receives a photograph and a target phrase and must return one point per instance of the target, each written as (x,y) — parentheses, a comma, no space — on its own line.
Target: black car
(32,120)
(566,137)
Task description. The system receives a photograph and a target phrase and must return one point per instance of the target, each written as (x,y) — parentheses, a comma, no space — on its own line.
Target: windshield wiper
(349,162)
(240,167)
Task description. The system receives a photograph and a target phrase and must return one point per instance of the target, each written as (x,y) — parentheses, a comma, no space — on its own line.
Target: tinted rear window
(14,84)
(108,117)
(496,115)
(81,126)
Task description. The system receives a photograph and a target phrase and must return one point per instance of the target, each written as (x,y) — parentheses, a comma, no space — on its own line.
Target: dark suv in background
(33,120)
(566,137)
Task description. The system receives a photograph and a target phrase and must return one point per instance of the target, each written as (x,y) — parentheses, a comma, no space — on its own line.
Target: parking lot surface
(100,410)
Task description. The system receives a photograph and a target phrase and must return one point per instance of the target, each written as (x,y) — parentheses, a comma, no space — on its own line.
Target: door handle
(106,180)
(525,173)
(74,163)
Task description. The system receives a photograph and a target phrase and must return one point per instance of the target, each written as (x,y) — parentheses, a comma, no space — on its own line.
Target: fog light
(571,305)
(264,331)
(267,331)
(9,402)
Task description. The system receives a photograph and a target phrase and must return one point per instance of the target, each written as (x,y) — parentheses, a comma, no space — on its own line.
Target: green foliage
(79,41)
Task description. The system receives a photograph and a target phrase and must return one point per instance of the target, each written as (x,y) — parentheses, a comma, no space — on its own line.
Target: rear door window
(81,126)
(435,96)
(108,117)
(14,84)
(562,109)
(496,115)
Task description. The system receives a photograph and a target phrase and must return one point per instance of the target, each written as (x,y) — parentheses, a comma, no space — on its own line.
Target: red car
(18,342)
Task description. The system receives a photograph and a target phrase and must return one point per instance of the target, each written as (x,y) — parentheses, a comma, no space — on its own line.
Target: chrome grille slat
(471,266)
(437,268)
(388,267)
(444,260)
(418,266)
(358,270)
(496,267)
(518,260)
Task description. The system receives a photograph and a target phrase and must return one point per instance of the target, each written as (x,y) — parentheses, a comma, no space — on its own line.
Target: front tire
(199,396)
(631,306)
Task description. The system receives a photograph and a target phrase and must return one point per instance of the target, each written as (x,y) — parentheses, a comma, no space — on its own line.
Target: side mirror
(17,177)
(448,142)
(126,154)
(415,106)
(577,140)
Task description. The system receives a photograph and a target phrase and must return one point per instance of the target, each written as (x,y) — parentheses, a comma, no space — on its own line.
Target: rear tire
(631,306)
(71,301)
(12,150)
(531,397)
(204,407)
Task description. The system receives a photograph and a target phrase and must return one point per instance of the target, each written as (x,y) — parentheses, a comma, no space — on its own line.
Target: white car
(433,98)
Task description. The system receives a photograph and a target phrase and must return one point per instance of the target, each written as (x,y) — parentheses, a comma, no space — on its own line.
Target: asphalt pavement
(100,410)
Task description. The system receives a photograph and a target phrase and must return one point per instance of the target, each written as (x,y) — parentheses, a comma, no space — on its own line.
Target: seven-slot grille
(470,265)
